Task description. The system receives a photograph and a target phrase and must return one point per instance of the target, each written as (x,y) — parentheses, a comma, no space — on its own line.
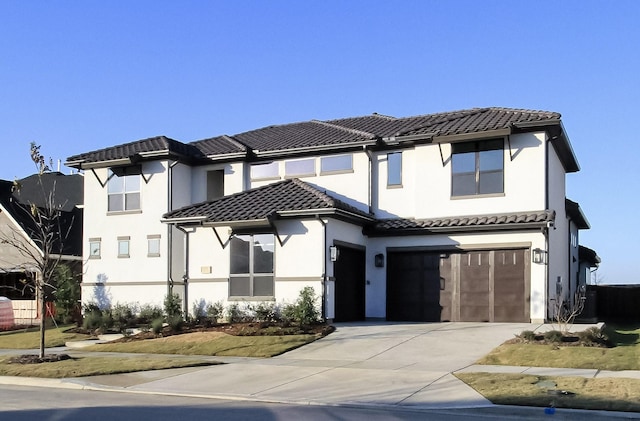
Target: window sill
(153,255)
(127,212)
(290,176)
(336,172)
(95,257)
(394,186)
(245,298)
(272,178)
(477,196)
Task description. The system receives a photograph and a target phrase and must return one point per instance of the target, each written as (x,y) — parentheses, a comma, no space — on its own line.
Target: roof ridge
(347,129)
(329,200)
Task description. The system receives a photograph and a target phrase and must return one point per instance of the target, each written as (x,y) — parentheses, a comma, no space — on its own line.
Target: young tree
(43,250)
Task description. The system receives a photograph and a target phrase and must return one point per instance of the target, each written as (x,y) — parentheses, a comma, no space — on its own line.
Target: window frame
(111,180)
(325,160)
(92,242)
(477,148)
(290,174)
(397,173)
(252,274)
(124,240)
(155,238)
(270,176)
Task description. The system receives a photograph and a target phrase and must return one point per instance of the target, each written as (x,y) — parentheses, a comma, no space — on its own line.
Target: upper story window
(261,171)
(394,169)
(251,270)
(300,167)
(336,163)
(215,184)
(477,168)
(123,192)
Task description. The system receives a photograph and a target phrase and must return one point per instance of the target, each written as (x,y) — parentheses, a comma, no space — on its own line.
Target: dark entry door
(349,274)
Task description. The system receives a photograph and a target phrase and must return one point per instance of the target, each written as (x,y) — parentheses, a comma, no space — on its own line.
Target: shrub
(527,335)
(266,312)
(215,311)
(95,318)
(175,323)
(149,313)
(92,320)
(172,305)
(67,294)
(124,316)
(235,314)
(553,336)
(199,311)
(304,311)
(593,336)
(156,325)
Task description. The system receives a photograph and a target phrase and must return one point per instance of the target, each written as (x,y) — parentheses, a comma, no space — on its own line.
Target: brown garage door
(462,286)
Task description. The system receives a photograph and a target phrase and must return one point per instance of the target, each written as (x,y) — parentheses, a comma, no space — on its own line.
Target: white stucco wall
(138,270)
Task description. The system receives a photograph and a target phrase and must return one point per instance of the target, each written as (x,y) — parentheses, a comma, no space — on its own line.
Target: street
(47,404)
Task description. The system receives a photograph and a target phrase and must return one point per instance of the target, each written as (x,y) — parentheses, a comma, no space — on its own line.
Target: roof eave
(319,148)
(459,229)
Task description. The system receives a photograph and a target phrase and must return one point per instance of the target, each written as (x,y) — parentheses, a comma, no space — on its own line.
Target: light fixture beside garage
(539,256)
(334,253)
(378,260)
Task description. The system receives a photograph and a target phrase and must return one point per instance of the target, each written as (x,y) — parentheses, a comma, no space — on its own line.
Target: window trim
(338,171)
(122,240)
(150,238)
(398,184)
(112,175)
(98,241)
(479,147)
(251,273)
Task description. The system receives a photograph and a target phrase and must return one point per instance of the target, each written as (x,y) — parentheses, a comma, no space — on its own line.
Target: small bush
(156,325)
(593,336)
(175,323)
(527,335)
(124,316)
(215,311)
(553,336)
(149,312)
(92,321)
(172,305)
(304,311)
(235,314)
(266,312)
(199,311)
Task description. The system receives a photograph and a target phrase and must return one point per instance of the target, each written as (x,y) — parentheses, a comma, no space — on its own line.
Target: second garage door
(460,286)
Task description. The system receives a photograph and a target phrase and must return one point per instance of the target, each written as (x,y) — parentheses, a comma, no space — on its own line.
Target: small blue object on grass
(550,411)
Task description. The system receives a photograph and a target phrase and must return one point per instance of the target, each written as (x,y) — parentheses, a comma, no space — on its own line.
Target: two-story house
(457,216)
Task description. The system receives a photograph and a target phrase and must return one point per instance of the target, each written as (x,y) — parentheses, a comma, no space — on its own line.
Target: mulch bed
(35,359)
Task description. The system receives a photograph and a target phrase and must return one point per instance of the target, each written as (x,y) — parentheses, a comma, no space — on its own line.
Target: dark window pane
(491,160)
(491,182)
(132,201)
(263,246)
(115,202)
(394,169)
(463,162)
(463,184)
(263,286)
(240,254)
(239,286)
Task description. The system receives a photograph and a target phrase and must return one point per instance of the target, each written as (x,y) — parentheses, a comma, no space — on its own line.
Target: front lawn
(30,338)
(211,343)
(624,355)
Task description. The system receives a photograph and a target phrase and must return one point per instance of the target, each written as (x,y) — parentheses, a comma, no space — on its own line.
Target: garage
(474,286)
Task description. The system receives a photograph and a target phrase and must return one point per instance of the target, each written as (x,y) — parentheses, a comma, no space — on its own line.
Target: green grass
(30,338)
(624,356)
(94,366)
(520,389)
(220,345)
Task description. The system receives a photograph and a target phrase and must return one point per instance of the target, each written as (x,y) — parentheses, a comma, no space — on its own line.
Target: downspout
(185,276)
(369,179)
(324,268)
(545,230)
(170,228)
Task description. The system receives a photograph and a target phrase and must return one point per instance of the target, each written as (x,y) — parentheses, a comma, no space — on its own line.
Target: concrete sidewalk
(402,366)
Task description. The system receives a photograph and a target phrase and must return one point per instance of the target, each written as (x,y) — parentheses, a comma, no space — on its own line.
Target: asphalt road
(45,404)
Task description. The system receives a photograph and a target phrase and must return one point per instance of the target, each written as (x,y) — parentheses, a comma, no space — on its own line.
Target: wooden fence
(617,303)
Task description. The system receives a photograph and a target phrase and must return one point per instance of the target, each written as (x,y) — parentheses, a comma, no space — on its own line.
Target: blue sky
(78,76)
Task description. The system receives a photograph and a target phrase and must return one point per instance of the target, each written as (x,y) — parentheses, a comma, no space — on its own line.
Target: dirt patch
(35,359)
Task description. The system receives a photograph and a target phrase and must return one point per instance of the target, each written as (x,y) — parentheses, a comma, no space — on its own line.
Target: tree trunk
(43,317)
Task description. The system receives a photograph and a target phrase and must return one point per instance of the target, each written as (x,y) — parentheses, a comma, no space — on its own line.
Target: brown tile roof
(330,135)
(285,198)
(158,144)
(401,226)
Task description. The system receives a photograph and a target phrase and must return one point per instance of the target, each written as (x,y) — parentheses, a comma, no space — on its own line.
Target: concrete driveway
(396,364)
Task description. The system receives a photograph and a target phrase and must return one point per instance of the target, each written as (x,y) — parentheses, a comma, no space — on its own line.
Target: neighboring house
(17,225)
(457,216)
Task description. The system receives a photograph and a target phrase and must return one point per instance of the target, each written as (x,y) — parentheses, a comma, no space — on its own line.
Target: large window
(251,273)
(123,192)
(477,168)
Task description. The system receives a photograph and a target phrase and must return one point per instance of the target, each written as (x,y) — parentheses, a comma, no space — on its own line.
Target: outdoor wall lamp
(539,256)
(378,260)
(334,253)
